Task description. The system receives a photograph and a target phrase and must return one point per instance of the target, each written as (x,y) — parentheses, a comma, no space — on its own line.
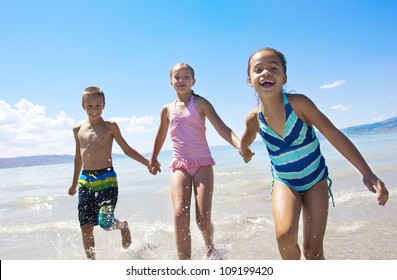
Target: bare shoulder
(301,103)
(201,101)
(111,125)
(203,106)
(77,128)
(251,120)
(253,114)
(168,106)
(297,99)
(165,110)
(303,106)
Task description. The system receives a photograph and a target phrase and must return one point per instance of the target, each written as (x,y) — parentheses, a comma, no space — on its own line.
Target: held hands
(246,154)
(154,167)
(370,180)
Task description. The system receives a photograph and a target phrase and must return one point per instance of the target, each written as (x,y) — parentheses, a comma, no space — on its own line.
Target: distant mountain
(35,160)
(40,160)
(389,125)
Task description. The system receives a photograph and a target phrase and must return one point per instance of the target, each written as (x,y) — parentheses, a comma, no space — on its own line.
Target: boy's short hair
(93,91)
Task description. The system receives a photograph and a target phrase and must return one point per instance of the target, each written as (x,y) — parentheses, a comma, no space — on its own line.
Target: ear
(194,82)
(285,79)
(249,82)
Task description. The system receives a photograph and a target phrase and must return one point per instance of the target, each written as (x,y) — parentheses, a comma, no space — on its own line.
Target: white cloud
(379,119)
(340,107)
(26,130)
(135,124)
(334,84)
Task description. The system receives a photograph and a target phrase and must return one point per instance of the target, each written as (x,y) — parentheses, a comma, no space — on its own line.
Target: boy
(97,184)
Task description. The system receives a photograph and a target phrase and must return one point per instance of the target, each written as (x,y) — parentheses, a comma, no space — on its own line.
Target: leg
(314,215)
(181,193)
(87,232)
(87,215)
(203,189)
(107,221)
(286,204)
(125,232)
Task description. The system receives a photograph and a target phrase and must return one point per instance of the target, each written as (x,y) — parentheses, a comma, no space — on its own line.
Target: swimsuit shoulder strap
(285,99)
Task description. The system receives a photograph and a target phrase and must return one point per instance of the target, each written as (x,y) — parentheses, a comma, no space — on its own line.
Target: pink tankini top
(190,146)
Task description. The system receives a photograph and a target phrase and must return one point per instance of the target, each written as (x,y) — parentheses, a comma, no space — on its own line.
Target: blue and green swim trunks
(98,193)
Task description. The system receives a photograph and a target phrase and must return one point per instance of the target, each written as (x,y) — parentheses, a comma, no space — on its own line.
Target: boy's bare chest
(94,136)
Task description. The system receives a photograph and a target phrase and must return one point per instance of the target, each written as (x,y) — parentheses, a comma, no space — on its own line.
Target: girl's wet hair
(93,91)
(274,51)
(184,65)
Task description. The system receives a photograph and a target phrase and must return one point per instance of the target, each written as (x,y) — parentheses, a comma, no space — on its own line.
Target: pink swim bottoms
(191,166)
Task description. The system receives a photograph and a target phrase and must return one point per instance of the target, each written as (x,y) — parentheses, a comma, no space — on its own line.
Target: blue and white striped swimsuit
(296,159)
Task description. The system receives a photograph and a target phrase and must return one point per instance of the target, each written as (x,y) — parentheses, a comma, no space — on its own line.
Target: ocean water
(39,219)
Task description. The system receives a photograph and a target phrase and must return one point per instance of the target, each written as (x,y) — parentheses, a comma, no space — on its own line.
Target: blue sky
(342,54)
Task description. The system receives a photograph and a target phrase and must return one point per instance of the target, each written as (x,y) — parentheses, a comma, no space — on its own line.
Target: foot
(213,254)
(125,235)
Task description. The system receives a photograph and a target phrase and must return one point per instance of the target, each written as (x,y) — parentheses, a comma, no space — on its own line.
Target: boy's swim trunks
(98,190)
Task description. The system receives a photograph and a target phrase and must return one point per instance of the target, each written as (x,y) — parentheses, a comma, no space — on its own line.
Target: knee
(87,230)
(313,252)
(287,238)
(182,217)
(106,217)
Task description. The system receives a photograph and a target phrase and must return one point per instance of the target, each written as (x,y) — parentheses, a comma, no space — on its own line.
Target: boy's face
(93,105)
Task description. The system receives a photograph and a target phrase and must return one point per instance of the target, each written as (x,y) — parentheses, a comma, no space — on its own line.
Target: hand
(246,155)
(154,170)
(72,190)
(371,180)
(154,167)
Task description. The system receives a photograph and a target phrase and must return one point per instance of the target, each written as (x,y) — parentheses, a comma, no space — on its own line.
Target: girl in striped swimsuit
(285,123)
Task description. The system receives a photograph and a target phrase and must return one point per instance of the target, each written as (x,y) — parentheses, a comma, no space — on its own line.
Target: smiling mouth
(267,83)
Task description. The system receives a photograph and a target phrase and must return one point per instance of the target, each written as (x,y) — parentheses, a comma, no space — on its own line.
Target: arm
(313,115)
(78,163)
(223,130)
(249,135)
(160,138)
(125,147)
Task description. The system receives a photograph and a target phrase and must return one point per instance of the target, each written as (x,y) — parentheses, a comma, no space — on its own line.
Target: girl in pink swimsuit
(192,161)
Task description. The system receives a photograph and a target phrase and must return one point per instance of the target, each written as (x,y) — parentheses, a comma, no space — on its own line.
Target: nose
(266,72)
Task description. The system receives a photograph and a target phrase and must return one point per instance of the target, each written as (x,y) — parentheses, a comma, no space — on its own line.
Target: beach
(39,219)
